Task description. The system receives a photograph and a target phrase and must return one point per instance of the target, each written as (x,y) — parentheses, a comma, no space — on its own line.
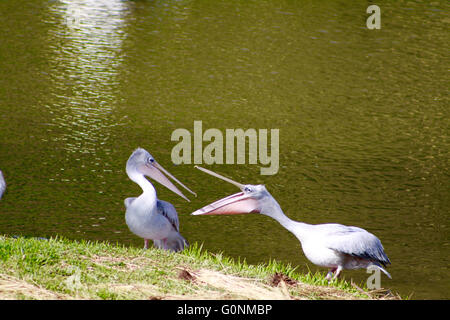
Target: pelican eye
(247,189)
(151,160)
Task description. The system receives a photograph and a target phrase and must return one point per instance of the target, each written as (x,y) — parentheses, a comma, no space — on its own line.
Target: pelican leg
(145,243)
(330,273)
(338,272)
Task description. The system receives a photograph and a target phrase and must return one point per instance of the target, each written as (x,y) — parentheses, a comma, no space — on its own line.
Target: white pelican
(330,245)
(147,216)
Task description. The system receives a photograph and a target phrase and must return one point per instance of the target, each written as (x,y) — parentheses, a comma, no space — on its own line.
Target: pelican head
(141,162)
(251,199)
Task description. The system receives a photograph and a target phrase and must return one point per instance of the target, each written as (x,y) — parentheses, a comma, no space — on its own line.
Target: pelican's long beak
(156,172)
(238,203)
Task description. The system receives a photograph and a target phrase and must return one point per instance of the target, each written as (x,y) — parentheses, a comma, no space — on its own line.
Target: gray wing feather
(168,210)
(356,242)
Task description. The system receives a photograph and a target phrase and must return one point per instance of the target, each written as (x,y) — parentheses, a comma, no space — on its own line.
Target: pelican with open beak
(146,215)
(330,245)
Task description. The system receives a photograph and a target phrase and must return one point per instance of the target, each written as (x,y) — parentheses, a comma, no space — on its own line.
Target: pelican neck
(145,185)
(299,229)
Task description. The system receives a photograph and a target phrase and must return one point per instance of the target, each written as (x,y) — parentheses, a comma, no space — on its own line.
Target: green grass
(59,268)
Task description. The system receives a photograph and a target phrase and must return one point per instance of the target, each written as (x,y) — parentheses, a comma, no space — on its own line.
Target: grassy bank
(58,268)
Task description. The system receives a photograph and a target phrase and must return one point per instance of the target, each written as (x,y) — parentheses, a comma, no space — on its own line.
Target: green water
(363,119)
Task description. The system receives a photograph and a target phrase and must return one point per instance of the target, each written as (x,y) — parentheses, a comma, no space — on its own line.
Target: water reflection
(85,59)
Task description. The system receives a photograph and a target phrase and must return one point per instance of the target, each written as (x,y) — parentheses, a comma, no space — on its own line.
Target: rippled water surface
(363,119)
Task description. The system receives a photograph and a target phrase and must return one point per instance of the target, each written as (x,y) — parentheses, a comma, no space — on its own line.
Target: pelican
(146,215)
(329,245)
(2,184)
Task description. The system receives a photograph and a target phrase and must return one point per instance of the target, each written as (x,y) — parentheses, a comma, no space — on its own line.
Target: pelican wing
(355,241)
(168,210)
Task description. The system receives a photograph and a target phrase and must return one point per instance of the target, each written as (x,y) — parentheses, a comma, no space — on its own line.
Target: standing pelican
(146,216)
(2,184)
(330,245)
